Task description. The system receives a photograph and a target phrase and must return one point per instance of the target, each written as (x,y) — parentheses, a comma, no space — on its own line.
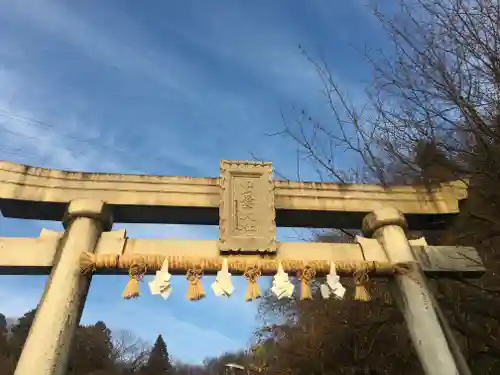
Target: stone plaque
(247,216)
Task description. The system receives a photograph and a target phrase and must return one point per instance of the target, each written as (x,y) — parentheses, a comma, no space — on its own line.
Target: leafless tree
(431,115)
(438,84)
(129,351)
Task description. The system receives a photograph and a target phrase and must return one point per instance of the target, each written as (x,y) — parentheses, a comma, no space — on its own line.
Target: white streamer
(282,287)
(223,286)
(332,285)
(161,282)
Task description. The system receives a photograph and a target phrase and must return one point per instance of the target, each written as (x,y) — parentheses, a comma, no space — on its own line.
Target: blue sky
(165,87)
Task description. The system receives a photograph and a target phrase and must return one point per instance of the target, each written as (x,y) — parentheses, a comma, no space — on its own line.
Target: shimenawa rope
(139,264)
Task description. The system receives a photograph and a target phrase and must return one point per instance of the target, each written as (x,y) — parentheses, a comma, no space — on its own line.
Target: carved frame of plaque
(247,216)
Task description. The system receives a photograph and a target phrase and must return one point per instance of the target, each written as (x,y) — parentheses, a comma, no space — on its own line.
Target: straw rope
(306,275)
(195,290)
(362,282)
(180,264)
(136,272)
(251,268)
(252,274)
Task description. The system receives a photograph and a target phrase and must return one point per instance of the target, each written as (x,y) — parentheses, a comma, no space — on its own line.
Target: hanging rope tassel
(136,272)
(362,282)
(195,290)
(306,275)
(252,274)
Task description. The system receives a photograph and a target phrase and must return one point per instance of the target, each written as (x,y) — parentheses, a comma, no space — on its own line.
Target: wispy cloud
(67,144)
(163,88)
(262,56)
(98,44)
(33,143)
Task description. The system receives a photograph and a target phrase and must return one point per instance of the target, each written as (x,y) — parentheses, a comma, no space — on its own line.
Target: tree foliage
(159,361)
(97,351)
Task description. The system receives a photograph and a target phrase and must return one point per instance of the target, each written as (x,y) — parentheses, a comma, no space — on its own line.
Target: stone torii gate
(247,204)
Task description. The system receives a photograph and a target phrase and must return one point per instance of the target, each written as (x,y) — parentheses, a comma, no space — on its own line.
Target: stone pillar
(388,226)
(47,348)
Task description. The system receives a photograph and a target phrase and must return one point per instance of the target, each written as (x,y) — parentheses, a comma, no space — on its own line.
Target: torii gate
(248,205)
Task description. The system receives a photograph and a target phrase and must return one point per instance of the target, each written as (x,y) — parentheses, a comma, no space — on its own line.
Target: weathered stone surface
(35,256)
(411,294)
(247,213)
(48,344)
(38,193)
(89,208)
(382,217)
(247,204)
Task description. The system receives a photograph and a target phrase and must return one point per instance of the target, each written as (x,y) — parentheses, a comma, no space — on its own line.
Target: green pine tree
(159,360)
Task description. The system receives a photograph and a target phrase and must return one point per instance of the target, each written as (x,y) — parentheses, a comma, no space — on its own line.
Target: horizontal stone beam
(21,256)
(38,193)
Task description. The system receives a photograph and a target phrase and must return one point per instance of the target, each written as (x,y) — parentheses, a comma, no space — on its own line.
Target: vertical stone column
(388,226)
(46,351)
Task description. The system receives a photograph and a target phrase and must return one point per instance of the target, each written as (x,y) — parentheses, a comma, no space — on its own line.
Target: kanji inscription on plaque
(247,214)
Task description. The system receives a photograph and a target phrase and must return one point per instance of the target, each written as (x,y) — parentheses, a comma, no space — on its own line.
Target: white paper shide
(223,285)
(282,287)
(332,287)
(161,282)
